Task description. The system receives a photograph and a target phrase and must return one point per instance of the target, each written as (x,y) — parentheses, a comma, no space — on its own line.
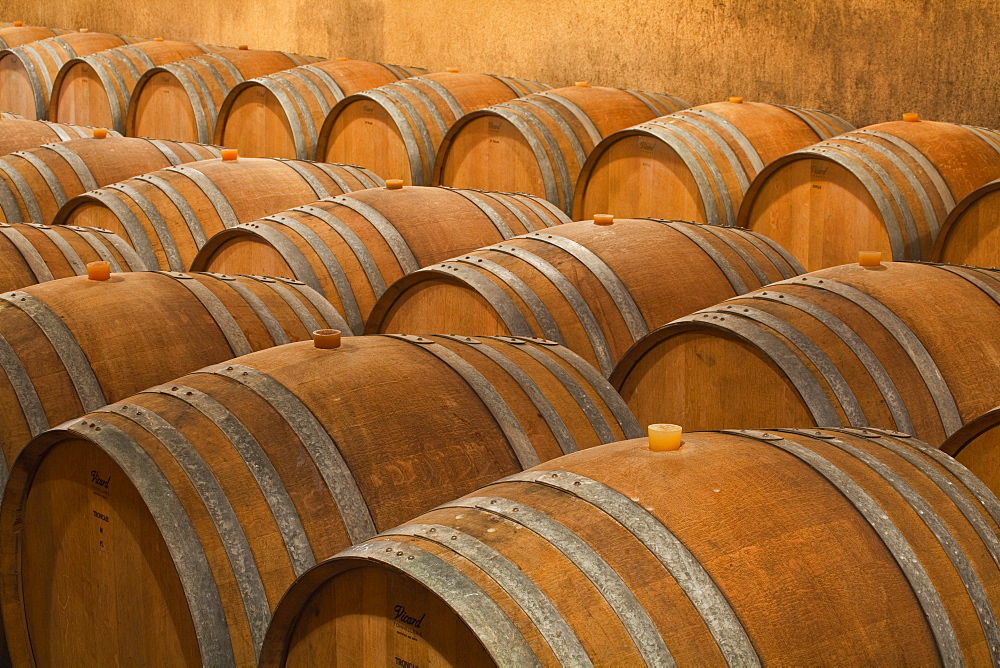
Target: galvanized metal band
(923,361)
(227,523)
(619,597)
(407,133)
(548,621)
(821,129)
(259,464)
(887,388)
(786,265)
(183,543)
(36,52)
(257,305)
(167,152)
(538,398)
(213,59)
(573,108)
(491,398)
(191,219)
(815,398)
(663,132)
(735,166)
(11,208)
(972,277)
(539,205)
(331,316)
(984,134)
(113,84)
(88,234)
(69,254)
(136,230)
(296,114)
(144,60)
(453,106)
(197,91)
(235,336)
(286,248)
(331,171)
(393,89)
(517,86)
(361,251)
(38,93)
(894,540)
(513,116)
(294,303)
(72,356)
(652,102)
(61,132)
(31,256)
(324,452)
(734,133)
(301,167)
(624,302)
(366,178)
(52,42)
(575,144)
(947,198)
(591,326)
(695,233)
(727,239)
(331,85)
(305,118)
(27,396)
(704,594)
(554,160)
(524,291)
(499,635)
(51,180)
(491,214)
(80,168)
(397,244)
(212,191)
(501,200)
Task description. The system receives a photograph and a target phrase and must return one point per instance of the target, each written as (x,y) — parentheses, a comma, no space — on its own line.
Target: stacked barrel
(388,375)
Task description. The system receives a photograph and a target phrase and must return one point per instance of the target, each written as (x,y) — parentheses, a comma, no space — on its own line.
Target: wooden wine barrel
(18,134)
(169,214)
(905,346)
(971,233)
(32,253)
(228,483)
(73,345)
(697,163)
(395,130)
(12,35)
(350,248)
(886,187)
(96,89)
(279,115)
(977,445)
(743,549)
(594,288)
(537,144)
(27,71)
(181,100)
(34,183)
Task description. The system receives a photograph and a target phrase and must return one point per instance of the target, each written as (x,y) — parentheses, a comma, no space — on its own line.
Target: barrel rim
(955,216)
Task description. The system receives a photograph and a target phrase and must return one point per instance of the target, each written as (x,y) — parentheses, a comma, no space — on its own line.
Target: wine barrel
(96,89)
(32,253)
(73,345)
(228,483)
(350,248)
(14,35)
(18,134)
(697,163)
(537,144)
(743,548)
(169,214)
(27,71)
(595,288)
(971,233)
(905,346)
(395,130)
(977,445)
(34,183)
(181,100)
(279,115)
(886,187)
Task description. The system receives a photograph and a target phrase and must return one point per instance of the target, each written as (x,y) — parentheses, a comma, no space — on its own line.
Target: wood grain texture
(18,134)
(971,233)
(12,36)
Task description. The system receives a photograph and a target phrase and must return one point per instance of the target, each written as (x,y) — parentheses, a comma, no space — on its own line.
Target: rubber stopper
(603,219)
(230,154)
(326,339)
(100,133)
(157,39)
(18,24)
(911,117)
(394,184)
(870,258)
(341,58)
(453,70)
(99,271)
(582,84)
(736,100)
(84,29)
(664,437)
(243,47)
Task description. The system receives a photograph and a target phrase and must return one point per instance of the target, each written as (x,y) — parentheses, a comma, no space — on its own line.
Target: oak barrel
(971,233)
(596,288)
(181,100)
(18,134)
(905,346)
(353,246)
(27,71)
(751,548)
(96,89)
(280,115)
(395,130)
(695,164)
(11,35)
(35,182)
(219,488)
(886,187)
(537,144)
(169,214)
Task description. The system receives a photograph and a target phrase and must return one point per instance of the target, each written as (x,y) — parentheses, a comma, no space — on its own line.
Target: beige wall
(866,60)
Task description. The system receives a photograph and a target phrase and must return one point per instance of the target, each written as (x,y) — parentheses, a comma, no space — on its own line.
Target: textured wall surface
(866,60)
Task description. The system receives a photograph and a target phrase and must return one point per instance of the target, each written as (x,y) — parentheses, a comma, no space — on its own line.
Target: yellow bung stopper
(603,219)
(394,184)
(99,271)
(664,437)
(326,339)
(870,258)
(582,84)
(230,154)
(911,117)
(84,29)
(100,133)
(243,47)
(157,39)
(736,100)
(18,24)
(341,58)
(453,70)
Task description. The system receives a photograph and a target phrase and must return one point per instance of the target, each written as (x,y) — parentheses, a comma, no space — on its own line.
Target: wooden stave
(954,228)
(456,349)
(175,236)
(11,35)
(306,264)
(31,134)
